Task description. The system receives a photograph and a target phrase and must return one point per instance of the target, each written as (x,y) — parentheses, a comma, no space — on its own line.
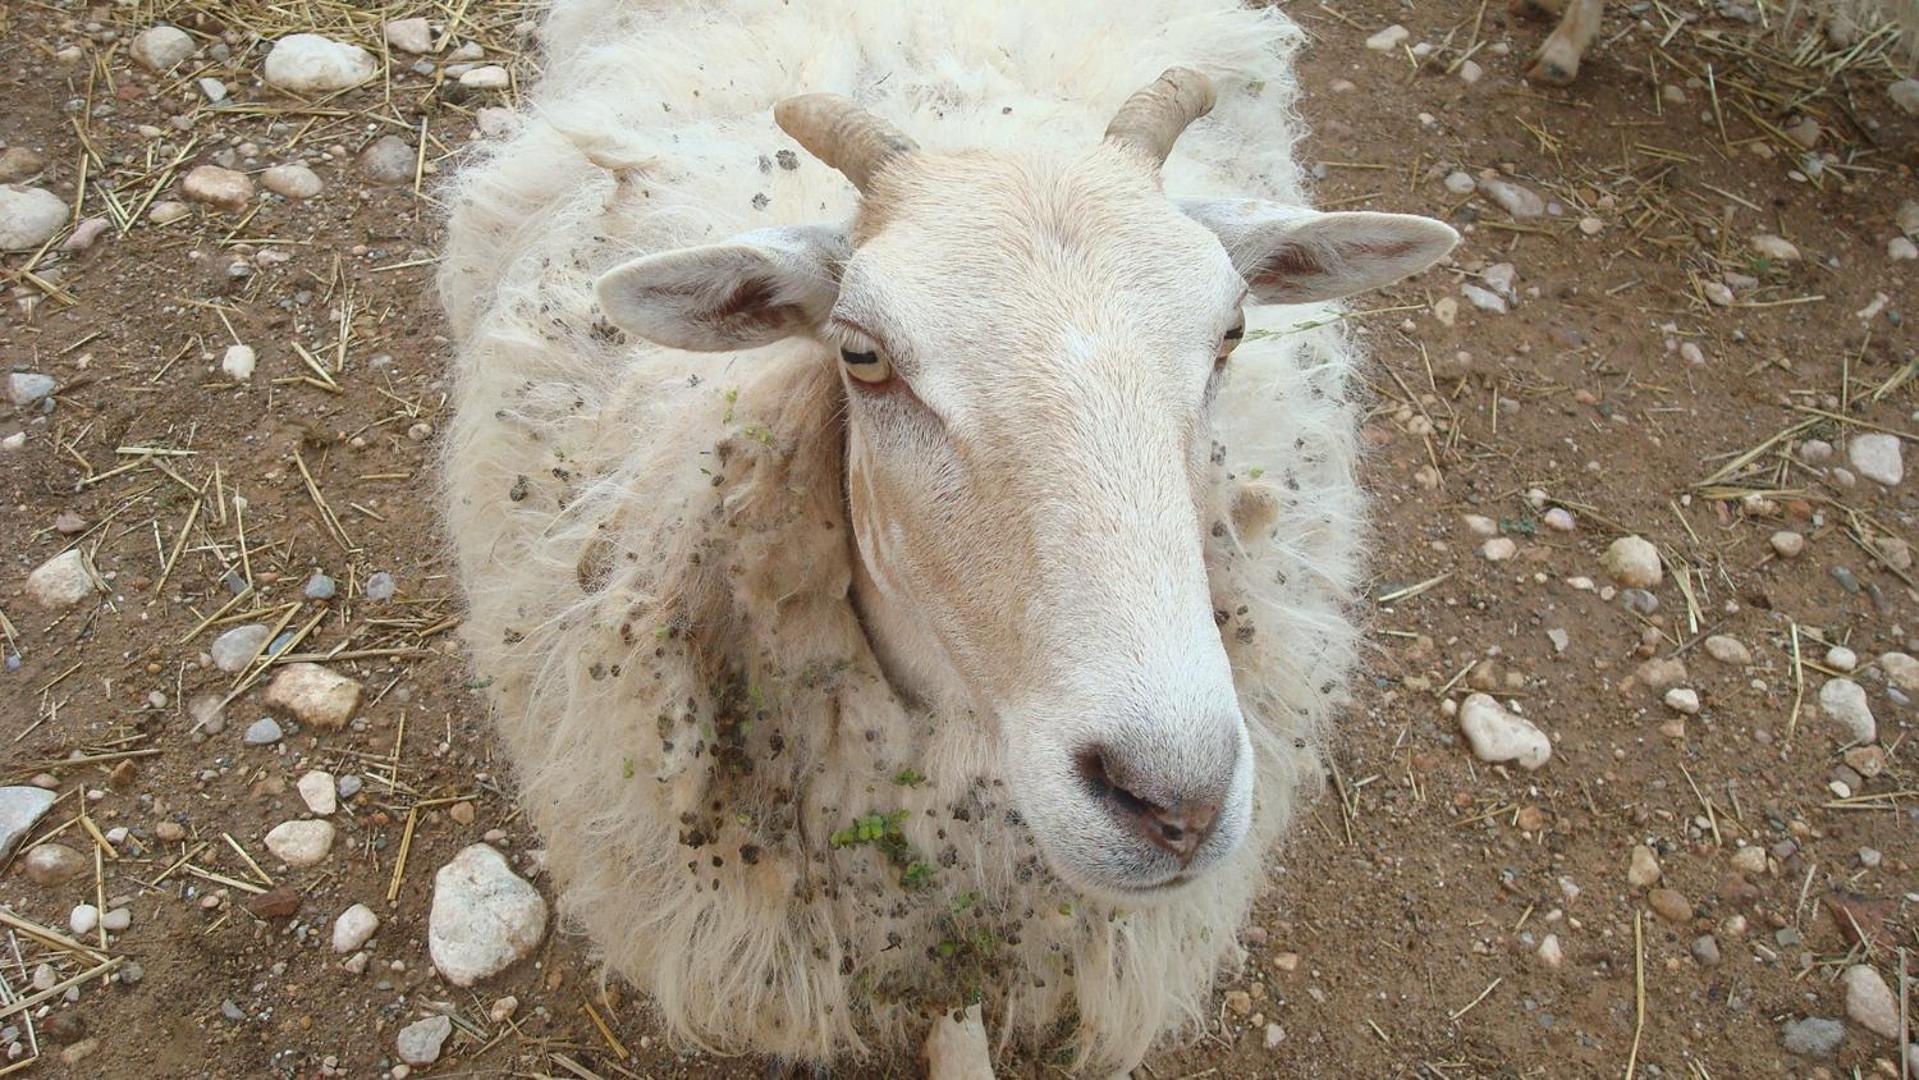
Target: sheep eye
(870,366)
(1231,340)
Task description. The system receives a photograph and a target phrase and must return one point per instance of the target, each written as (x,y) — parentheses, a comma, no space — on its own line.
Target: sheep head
(1031,345)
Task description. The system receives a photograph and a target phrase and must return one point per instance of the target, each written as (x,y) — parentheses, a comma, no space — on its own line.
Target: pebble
(313,695)
(1642,869)
(1901,670)
(281,902)
(503,1009)
(1718,292)
(1813,1036)
(380,586)
(1815,451)
(1705,949)
(319,587)
(1750,859)
(489,77)
(1661,673)
(85,234)
(1560,638)
(1905,94)
(223,188)
(1550,953)
(17,163)
(1870,1002)
(61,581)
(1499,549)
(1480,525)
(232,650)
(300,843)
(83,918)
(1639,600)
(1683,700)
(1788,544)
(29,217)
(161,48)
(1592,226)
(350,785)
(1728,650)
(1483,299)
(263,732)
(1633,561)
(1840,658)
(1560,519)
(410,35)
(484,917)
(1496,735)
(1876,456)
(388,160)
(419,1042)
(317,790)
(54,864)
(167,211)
(1845,702)
(238,363)
(1388,39)
(314,64)
(1900,249)
(353,928)
(116,920)
(26,387)
(495,122)
(1460,183)
(1518,201)
(292,181)
(214,89)
(1870,858)
(1670,905)
(1775,247)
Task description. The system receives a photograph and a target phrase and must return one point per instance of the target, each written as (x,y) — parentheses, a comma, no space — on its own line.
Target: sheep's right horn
(1152,118)
(840,133)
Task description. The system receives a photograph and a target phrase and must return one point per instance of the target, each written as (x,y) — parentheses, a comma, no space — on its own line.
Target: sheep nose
(1175,822)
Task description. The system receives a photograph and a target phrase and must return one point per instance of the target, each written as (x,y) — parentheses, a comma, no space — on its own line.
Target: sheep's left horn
(845,136)
(1152,118)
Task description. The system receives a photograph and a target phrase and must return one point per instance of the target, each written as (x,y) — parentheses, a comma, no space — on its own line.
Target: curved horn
(840,133)
(1153,118)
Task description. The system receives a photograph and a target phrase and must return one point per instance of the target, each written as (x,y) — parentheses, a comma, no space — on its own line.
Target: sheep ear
(752,290)
(1292,255)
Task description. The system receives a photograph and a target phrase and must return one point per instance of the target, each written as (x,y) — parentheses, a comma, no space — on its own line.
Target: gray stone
(27,387)
(1813,1036)
(160,48)
(29,217)
(21,808)
(388,160)
(419,1042)
(233,649)
(1876,455)
(1870,1002)
(314,64)
(263,732)
(319,587)
(1518,201)
(301,843)
(1845,702)
(484,917)
(61,581)
(1496,735)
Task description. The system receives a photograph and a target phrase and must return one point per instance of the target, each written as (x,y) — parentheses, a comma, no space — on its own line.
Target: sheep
(909,592)
(1557,60)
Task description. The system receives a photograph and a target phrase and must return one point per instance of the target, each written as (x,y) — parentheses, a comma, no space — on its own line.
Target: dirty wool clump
(738,811)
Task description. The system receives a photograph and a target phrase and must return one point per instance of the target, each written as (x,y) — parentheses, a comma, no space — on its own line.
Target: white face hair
(1030,346)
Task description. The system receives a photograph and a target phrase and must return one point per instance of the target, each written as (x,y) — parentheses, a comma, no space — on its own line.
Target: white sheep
(891,598)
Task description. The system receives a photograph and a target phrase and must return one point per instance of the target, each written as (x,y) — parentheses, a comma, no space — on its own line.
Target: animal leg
(1536,9)
(956,1048)
(784,1069)
(1558,59)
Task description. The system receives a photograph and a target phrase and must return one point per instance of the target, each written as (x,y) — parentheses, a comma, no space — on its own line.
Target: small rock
(1670,905)
(29,217)
(1876,456)
(419,1042)
(410,35)
(166,212)
(1845,702)
(1560,519)
(292,181)
(313,695)
(301,843)
(1750,859)
(85,234)
(1550,953)
(68,523)
(380,586)
(350,785)
(1643,870)
(18,163)
(1788,544)
(489,77)
(1870,1002)
(1389,39)
(83,919)
(1840,658)
(1728,650)
(214,89)
(1870,858)
(161,48)
(1900,249)
(223,188)
(1718,292)
(238,363)
(502,1010)
(1632,561)
(1815,451)
(1705,949)
(1661,673)
(277,903)
(263,732)
(1901,670)
(61,581)
(317,791)
(1518,201)
(1496,735)
(319,587)
(388,160)
(1683,700)
(27,387)
(1460,183)
(484,917)
(1905,94)
(1498,549)
(54,864)
(1775,247)
(1639,600)
(313,64)
(232,650)
(1484,299)
(353,928)
(116,920)
(1813,1037)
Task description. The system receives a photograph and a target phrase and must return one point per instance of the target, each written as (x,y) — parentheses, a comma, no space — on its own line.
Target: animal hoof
(782,1069)
(1546,69)
(1531,9)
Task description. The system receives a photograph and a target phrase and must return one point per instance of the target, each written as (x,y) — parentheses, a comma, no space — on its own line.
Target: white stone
(313,64)
(484,917)
(1905,94)
(1518,201)
(1728,650)
(1900,249)
(1682,699)
(1496,735)
(1388,39)
(354,928)
(410,35)
(239,362)
(1483,299)
(1642,870)
(1480,525)
(1750,859)
(1840,658)
(1550,953)
(489,77)
(223,188)
(317,790)
(495,122)
(1460,183)
(83,919)
(27,387)
(21,808)
(61,581)
(1845,701)
(232,650)
(116,920)
(1498,549)
(214,89)
(313,695)
(1775,247)
(1901,670)
(167,211)
(1788,544)
(1633,561)
(301,843)
(29,217)
(160,48)
(294,181)
(1560,519)
(419,1042)
(1876,455)
(1870,1002)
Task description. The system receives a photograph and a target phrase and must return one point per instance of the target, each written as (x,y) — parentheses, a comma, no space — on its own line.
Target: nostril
(1177,826)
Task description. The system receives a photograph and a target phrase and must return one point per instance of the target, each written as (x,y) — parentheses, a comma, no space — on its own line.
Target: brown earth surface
(1403,933)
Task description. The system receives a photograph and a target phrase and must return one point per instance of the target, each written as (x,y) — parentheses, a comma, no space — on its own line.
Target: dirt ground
(1434,916)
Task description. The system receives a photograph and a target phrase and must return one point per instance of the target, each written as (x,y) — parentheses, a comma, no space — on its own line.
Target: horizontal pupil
(852,357)
(1235,333)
